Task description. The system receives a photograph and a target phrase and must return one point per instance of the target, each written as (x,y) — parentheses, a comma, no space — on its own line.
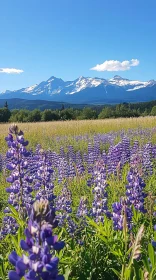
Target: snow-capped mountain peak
(53,78)
(87,90)
(117,77)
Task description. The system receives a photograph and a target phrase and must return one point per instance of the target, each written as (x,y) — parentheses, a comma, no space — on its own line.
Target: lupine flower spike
(39,261)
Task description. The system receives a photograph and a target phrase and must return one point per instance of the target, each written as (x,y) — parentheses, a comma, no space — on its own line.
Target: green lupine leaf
(151,254)
(116,272)
(146,263)
(137,270)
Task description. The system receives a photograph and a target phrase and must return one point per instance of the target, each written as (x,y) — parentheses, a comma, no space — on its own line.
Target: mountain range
(86,90)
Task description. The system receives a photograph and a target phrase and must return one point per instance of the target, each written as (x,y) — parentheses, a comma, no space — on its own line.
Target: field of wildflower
(78,200)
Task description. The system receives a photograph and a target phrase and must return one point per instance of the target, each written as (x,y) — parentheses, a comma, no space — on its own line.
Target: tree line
(124,110)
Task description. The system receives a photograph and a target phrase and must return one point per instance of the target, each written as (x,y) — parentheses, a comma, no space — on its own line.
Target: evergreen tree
(6,105)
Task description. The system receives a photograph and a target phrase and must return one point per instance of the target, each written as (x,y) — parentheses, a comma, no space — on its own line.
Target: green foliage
(35,116)
(67,114)
(153,111)
(20,116)
(88,114)
(49,115)
(107,112)
(124,110)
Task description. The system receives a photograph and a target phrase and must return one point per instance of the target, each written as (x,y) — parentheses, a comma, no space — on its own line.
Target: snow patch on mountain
(82,83)
(29,89)
(143,85)
(125,82)
(55,91)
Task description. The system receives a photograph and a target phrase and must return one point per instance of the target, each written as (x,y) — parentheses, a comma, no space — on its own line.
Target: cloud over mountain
(115,65)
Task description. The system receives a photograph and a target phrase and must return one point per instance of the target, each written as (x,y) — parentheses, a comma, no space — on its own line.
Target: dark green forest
(124,110)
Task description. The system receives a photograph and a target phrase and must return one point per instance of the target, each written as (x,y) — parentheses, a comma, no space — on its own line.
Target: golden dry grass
(44,131)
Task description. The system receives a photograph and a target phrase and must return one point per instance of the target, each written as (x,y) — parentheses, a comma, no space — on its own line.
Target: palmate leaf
(103,230)
(95,225)
(136,247)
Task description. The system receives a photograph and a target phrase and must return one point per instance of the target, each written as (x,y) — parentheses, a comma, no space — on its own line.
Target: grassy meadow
(46,133)
(103,174)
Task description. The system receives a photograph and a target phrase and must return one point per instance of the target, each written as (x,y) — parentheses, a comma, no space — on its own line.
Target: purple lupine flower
(62,169)
(125,157)
(104,158)
(134,190)
(20,189)
(147,159)
(96,148)
(64,213)
(135,148)
(63,205)
(90,148)
(71,154)
(62,152)
(154,151)
(81,214)
(99,205)
(82,210)
(40,244)
(1,162)
(71,171)
(44,178)
(85,157)
(153,241)
(72,228)
(114,158)
(90,181)
(9,226)
(80,168)
(79,164)
(121,210)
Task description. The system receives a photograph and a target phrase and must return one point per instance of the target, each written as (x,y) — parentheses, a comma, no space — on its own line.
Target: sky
(72,38)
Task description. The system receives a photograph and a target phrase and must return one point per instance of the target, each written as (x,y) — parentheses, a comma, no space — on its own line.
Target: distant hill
(17,103)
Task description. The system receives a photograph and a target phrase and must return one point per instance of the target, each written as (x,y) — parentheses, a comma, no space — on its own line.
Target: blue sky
(66,38)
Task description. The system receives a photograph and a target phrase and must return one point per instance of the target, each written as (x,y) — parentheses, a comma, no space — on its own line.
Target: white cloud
(11,71)
(115,65)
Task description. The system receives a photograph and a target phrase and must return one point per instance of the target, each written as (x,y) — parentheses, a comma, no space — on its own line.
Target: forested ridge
(124,110)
